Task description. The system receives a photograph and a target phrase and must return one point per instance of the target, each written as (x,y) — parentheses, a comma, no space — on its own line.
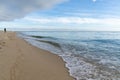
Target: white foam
(78,68)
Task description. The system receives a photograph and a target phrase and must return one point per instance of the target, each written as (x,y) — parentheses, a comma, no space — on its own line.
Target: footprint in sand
(2,44)
(0,47)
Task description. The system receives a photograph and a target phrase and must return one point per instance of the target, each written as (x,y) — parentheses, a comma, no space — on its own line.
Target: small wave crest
(41,37)
(51,42)
(86,59)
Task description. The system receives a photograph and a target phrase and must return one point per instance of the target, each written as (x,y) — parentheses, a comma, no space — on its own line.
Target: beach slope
(21,61)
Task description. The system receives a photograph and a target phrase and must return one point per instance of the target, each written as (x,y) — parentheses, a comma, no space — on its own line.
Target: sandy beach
(21,61)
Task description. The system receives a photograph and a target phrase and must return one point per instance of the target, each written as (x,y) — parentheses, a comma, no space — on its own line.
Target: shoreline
(30,62)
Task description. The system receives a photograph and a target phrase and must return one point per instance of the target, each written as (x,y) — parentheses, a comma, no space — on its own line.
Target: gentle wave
(41,37)
(52,43)
(91,59)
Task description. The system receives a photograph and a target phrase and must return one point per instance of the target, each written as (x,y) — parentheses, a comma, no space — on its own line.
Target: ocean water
(88,55)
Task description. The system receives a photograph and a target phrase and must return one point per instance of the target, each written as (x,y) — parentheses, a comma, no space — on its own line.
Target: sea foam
(95,58)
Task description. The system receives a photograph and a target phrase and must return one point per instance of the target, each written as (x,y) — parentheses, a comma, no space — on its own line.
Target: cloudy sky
(95,15)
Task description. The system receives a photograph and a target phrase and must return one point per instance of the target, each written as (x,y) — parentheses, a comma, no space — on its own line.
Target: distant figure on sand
(4,29)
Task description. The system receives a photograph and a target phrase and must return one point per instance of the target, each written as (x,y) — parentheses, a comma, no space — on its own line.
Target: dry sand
(21,61)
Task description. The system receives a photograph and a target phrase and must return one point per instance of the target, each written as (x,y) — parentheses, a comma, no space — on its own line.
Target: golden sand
(22,61)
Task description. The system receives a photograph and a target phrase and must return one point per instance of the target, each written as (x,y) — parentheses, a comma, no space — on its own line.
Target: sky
(83,15)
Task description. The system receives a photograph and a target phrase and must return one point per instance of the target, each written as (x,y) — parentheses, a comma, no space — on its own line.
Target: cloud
(15,9)
(74,20)
(94,0)
(75,23)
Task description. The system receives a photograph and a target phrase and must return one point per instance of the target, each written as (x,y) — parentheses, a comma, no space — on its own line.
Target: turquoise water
(88,55)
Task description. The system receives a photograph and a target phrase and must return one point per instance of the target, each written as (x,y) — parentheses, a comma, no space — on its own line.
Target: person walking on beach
(4,29)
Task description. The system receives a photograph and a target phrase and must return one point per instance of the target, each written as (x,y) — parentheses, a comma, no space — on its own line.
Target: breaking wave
(87,59)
